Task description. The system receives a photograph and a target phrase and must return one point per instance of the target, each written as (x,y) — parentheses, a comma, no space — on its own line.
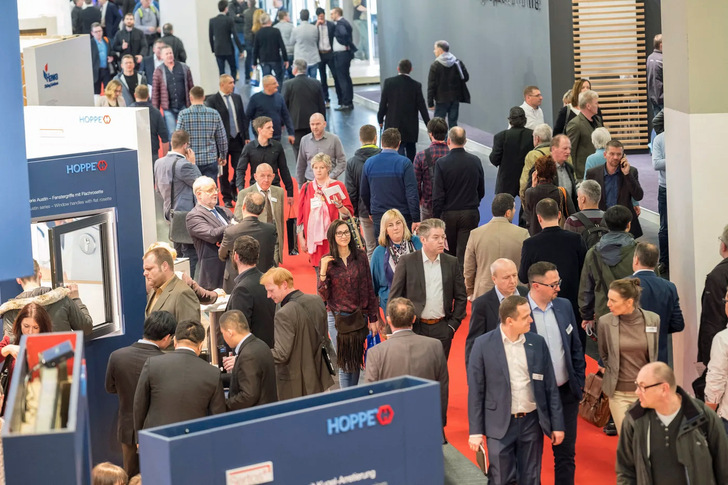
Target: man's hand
(374,326)
(637,210)
(585,323)
(228,363)
(291,139)
(138,59)
(415,226)
(557,437)
(534,178)
(285,65)
(109,58)
(221,161)
(124,45)
(190,155)
(381,125)
(74,290)
(290,201)
(624,165)
(476,441)
(302,242)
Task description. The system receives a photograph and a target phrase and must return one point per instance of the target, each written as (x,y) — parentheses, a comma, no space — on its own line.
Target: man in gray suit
(513,397)
(305,39)
(250,225)
(182,174)
(264,176)
(167,292)
(406,353)
(300,331)
(178,386)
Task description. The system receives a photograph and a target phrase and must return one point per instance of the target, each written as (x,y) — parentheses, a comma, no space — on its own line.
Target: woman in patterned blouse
(345,284)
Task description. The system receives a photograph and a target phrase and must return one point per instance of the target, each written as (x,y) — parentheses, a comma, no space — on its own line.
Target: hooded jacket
(354,168)
(447,81)
(610,259)
(66,314)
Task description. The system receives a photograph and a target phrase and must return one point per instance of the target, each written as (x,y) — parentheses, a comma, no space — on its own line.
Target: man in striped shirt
(207,134)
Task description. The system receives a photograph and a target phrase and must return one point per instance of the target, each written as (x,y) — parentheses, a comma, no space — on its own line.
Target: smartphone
(623,163)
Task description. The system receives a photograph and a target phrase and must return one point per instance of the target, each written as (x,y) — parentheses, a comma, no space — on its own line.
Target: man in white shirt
(532,106)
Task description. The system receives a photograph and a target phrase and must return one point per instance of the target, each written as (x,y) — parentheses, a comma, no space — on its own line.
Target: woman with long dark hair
(345,284)
(571,110)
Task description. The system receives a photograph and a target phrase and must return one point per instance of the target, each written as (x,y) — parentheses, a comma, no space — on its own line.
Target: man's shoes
(328,104)
(293,252)
(663,270)
(610,429)
(229,205)
(345,107)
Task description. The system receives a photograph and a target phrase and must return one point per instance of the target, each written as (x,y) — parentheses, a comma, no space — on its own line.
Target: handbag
(178,232)
(594,405)
(372,340)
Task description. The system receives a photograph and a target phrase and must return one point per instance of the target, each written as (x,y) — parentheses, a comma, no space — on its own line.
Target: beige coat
(496,239)
(608,342)
(277,193)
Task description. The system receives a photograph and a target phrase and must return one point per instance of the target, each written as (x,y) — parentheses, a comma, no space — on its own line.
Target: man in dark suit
(206,223)
(300,333)
(89,15)
(554,320)
(248,295)
(222,35)
(166,291)
(406,353)
(510,148)
(232,112)
(401,101)
(563,248)
(484,313)
(178,386)
(122,375)
(513,397)
(457,189)
(619,182)
(433,282)
(110,18)
(151,62)
(343,54)
(264,232)
(303,97)
(253,380)
(658,295)
(130,40)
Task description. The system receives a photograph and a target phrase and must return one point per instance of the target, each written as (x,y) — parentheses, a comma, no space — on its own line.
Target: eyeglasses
(342,233)
(552,285)
(644,388)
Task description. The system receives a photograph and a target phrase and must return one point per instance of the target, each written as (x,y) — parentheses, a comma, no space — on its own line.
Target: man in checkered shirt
(424,163)
(207,134)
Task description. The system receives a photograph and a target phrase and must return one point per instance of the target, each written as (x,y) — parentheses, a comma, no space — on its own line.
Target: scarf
(319,219)
(391,257)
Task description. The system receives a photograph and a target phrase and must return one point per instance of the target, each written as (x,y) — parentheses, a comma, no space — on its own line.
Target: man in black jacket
(446,87)
(122,376)
(304,97)
(510,148)
(457,190)
(89,16)
(222,35)
(563,248)
(401,101)
(712,316)
(344,49)
(232,112)
(270,50)
(354,168)
(178,47)
(253,371)
(157,126)
(130,40)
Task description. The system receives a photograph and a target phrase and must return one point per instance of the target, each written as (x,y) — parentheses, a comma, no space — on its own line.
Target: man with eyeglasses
(532,100)
(669,437)
(554,320)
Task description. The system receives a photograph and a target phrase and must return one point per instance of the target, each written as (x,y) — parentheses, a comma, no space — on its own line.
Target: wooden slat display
(609,49)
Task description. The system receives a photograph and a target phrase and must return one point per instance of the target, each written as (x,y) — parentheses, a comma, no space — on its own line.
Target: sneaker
(293,252)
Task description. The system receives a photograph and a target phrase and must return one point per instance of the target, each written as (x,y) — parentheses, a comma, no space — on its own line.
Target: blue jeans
(241,38)
(332,327)
(450,110)
(170,119)
(209,170)
(348,379)
(277,67)
(312,70)
(662,238)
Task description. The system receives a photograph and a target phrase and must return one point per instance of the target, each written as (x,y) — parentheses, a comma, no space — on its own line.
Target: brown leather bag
(594,405)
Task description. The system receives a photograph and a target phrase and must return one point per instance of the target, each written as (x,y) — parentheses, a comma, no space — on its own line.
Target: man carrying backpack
(589,220)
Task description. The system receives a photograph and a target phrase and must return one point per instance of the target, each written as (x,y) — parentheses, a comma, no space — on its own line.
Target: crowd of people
(397,250)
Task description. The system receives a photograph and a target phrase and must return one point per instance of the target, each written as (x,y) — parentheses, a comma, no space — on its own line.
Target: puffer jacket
(66,314)
(702,445)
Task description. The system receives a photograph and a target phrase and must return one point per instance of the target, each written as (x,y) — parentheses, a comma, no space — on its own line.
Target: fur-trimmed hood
(41,295)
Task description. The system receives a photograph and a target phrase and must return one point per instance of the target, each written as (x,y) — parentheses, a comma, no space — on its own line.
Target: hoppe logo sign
(94,119)
(75,168)
(381,416)
(51,79)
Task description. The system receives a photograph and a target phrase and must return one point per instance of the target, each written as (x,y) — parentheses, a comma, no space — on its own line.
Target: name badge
(316,203)
(537,377)
(273,199)
(651,329)
(569,329)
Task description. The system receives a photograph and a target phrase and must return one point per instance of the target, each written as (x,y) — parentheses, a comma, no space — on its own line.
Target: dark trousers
(326,60)
(210,170)
(274,67)
(187,251)
(130,457)
(440,330)
(662,238)
(297,135)
(516,458)
(564,464)
(221,60)
(377,220)
(458,225)
(345,88)
(408,149)
(450,110)
(248,61)
(104,78)
(229,189)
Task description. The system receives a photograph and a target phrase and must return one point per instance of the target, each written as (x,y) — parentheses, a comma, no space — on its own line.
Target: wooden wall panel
(609,49)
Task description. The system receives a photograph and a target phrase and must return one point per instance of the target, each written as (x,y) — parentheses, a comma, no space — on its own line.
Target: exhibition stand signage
(388,432)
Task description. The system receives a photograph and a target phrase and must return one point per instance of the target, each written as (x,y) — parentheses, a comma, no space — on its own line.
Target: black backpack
(593,232)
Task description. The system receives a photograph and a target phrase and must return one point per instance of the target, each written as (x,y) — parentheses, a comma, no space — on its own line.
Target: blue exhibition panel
(388,432)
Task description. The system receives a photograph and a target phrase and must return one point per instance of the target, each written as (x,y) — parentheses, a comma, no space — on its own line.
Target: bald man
(484,318)
(319,141)
(270,103)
